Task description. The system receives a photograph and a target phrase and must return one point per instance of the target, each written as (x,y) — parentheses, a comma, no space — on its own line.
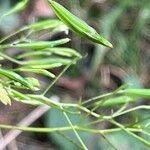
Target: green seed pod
(78,25)
(37,44)
(37,71)
(46,61)
(64,51)
(45,66)
(34,53)
(16,77)
(46,24)
(138,92)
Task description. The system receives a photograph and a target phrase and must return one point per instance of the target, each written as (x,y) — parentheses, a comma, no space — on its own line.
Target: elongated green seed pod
(45,66)
(16,77)
(37,44)
(46,24)
(37,71)
(54,60)
(62,51)
(34,53)
(78,25)
(138,92)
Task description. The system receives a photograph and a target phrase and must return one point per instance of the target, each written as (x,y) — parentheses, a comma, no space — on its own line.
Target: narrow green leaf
(16,77)
(4,98)
(78,25)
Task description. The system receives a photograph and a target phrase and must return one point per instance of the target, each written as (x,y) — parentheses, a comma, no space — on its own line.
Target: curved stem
(130,110)
(94,99)
(130,132)
(11,59)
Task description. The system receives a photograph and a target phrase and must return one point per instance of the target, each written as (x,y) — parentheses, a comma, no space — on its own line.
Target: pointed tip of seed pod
(106,43)
(110,45)
(68,40)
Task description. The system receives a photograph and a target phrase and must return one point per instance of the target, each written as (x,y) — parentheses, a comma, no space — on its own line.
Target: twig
(1,138)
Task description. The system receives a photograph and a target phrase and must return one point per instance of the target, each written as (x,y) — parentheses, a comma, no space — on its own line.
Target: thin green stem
(69,139)
(11,59)
(105,118)
(74,130)
(67,128)
(14,33)
(130,132)
(94,99)
(121,109)
(106,139)
(65,114)
(130,110)
(56,105)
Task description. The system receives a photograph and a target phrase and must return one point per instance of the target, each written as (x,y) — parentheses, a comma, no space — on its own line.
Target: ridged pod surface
(78,25)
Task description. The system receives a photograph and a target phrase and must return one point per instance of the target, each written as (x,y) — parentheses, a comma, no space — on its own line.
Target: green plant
(46,55)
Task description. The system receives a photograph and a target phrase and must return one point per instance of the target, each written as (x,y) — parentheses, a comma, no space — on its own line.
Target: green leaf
(4,98)
(78,25)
